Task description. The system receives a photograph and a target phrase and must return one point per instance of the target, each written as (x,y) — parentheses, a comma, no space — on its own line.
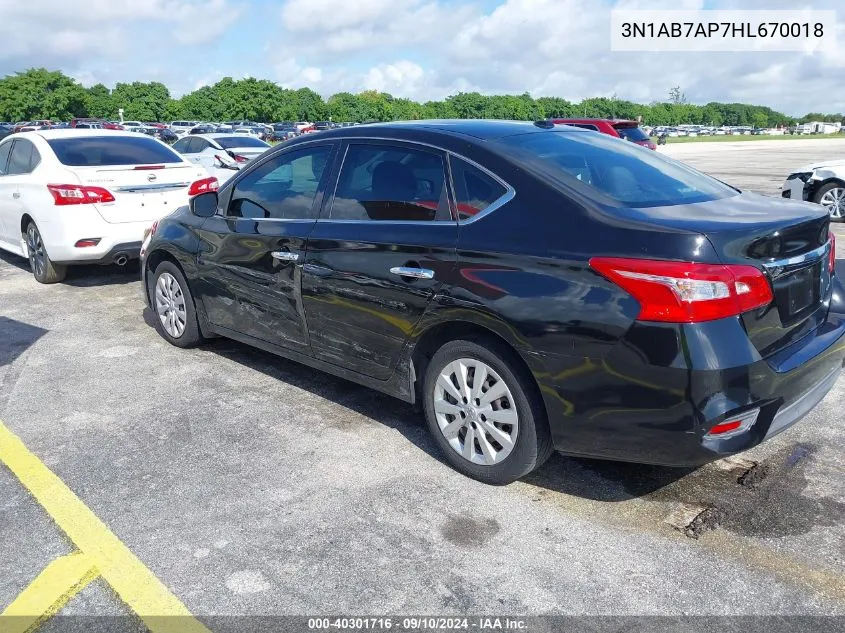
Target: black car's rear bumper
(656,396)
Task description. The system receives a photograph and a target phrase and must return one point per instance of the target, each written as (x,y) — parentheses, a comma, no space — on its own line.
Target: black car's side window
(475,190)
(282,188)
(384,182)
(24,158)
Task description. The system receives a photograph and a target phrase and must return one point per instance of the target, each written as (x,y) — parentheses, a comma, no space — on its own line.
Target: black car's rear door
(252,252)
(383,245)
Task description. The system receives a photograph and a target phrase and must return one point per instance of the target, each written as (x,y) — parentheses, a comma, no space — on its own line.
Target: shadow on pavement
(15,338)
(84,276)
(590,479)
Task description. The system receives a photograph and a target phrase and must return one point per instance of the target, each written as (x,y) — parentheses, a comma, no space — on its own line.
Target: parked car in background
(183,127)
(117,184)
(5,130)
(132,126)
(531,286)
(620,128)
(222,155)
(283,132)
(203,128)
(91,122)
(163,134)
(28,126)
(822,183)
(166,135)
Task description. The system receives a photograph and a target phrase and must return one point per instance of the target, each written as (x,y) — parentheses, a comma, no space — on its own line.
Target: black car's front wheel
(483,412)
(176,317)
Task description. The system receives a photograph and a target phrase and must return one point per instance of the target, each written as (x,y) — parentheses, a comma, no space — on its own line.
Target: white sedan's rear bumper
(60,238)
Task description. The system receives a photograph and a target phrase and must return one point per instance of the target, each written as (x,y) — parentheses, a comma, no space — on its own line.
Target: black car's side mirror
(204,205)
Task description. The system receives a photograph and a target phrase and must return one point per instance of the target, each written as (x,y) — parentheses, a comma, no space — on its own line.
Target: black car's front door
(381,249)
(252,252)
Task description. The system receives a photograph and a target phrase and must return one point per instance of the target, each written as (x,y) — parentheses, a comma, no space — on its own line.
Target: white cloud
(401,78)
(72,35)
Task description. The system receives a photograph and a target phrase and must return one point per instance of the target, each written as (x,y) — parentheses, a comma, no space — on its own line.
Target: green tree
(142,101)
(100,103)
(38,93)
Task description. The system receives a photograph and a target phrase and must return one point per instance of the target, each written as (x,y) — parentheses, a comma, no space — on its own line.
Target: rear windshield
(228,142)
(619,172)
(632,133)
(97,151)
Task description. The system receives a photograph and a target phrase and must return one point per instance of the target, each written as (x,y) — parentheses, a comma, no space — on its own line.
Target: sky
(420,49)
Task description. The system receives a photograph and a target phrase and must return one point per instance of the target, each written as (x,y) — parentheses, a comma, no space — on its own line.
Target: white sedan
(115,183)
(222,155)
(822,183)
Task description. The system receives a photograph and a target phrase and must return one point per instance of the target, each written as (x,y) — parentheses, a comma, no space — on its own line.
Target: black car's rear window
(618,171)
(243,140)
(99,151)
(632,133)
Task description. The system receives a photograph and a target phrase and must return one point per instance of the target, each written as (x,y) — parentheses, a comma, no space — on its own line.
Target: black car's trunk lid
(789,240)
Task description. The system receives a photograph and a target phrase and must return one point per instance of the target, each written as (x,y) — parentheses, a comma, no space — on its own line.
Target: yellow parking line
(60,581)
(146,595)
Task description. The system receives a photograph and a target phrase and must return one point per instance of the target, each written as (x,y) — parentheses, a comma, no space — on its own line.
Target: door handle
(16,195)
(416,273)
(285,256)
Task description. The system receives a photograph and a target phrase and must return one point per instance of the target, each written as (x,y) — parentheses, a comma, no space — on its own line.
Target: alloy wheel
(35,248)
(475,411)
(170,305)
(834,201)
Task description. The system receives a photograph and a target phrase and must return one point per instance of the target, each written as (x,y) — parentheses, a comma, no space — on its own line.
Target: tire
(828,195)
(491,459)
(173,306)
(43,268)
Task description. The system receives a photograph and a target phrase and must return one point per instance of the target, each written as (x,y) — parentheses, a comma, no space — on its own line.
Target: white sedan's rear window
(101,151)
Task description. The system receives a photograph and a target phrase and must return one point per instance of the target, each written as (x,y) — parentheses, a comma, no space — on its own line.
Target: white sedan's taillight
(203,186)
(79,194)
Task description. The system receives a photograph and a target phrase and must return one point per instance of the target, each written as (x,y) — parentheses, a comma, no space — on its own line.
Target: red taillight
(832,260)
(203,186)
(149,166)
(88,242)
(684,292)
(79,194)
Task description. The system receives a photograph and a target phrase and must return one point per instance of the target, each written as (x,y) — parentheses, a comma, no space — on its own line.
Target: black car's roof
(484,129)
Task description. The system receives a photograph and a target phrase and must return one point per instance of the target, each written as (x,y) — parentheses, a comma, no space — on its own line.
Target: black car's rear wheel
(483,412)
(173,305)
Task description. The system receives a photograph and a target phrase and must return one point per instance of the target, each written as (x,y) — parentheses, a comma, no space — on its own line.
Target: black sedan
(533,287)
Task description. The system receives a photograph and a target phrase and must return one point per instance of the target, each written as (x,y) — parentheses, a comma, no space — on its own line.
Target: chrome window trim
(510,192)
